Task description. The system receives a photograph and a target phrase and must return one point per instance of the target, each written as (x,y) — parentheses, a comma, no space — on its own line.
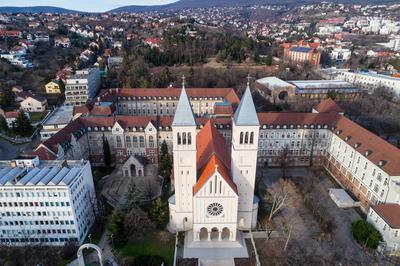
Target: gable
(216,185)
(117,128)
(150,128)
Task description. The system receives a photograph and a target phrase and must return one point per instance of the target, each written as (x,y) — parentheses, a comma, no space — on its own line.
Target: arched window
(241,137)
(135,142)
(119,143)
(128,142)
(251,137)
(141,141)
(151,142)
(189,138)
(184,138)
(179,139)
(246,138)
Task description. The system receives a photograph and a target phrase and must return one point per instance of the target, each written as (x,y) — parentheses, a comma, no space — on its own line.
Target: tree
(6,97)
(3,124)
(165,161)
(22,125)
(269,60)
(106,152)
(133,197)
(136,224)
(332,94)
(116,228)
(366,234)
(279,198)
(158,213)
(61,85)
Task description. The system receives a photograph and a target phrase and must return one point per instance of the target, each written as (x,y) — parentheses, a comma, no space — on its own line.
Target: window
(119,143)
(135,141)
(151,142)
(251,137)
(184,138)
(241,137)
(246,138)
(141,140)
(189,138)
(179,138)
(128,141)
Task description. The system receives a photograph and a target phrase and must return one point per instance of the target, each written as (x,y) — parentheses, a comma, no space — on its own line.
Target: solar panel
(28,176)
(59,176)
(39,176)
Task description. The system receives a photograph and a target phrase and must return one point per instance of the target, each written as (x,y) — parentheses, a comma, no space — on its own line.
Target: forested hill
(184,4)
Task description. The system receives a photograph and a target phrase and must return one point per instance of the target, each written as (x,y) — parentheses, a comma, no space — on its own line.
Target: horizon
(84,5)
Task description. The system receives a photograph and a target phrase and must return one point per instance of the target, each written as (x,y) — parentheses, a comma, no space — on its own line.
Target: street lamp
(112,241)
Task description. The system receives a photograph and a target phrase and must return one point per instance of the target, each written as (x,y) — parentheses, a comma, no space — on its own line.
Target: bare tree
(149,189)
(278,202)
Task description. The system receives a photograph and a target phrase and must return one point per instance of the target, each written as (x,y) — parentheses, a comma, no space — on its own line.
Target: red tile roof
(103,110)
(390,213)
(380,150)
(328,105)
(11,114)
(228,94)
(295,119)
(44,154)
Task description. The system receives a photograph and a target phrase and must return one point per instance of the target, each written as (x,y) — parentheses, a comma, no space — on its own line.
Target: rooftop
(63,115)
(273,82)
(47,173)
(319,84)
(390,213)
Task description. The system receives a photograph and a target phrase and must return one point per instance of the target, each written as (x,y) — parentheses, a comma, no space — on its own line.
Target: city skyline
(84,5)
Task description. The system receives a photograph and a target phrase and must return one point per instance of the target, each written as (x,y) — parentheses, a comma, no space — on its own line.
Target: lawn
(152,244)
(37,116)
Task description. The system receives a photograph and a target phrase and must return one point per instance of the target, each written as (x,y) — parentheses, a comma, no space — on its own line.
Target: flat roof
(48,173)
(63,115)
(320,84)
(273,82)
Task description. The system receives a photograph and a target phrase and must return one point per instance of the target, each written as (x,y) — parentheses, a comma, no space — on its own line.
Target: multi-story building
(52,87)
(34,103)
(280,91)
(82,86)
(57,120)
(163,102)
(47,202)
(302,52)
(368,80)
(363,163)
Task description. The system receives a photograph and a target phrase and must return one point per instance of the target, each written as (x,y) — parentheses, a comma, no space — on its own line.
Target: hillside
(36,9)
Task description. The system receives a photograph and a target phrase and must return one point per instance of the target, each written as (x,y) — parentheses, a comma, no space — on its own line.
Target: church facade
(214,181)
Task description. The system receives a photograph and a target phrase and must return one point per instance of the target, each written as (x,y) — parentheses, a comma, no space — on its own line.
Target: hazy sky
(84,5)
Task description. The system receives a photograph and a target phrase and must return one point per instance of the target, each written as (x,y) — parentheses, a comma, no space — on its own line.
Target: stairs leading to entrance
(225,262)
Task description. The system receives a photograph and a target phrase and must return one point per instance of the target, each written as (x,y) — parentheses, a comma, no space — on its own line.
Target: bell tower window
(184,138)
(246,138)
(251,137)
(179,138)
(189,138)
(241,137)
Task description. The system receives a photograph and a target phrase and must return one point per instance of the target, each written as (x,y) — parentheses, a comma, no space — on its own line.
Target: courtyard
(309,229)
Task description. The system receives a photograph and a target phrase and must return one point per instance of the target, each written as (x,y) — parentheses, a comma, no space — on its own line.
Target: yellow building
(53,87)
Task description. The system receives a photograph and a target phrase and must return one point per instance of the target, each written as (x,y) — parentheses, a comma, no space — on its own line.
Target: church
(214,181)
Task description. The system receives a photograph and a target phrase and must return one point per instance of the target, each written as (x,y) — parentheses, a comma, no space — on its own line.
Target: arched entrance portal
(81,259)
(283,96)
(133,170)
(226,234)
(214,234)
(203,234)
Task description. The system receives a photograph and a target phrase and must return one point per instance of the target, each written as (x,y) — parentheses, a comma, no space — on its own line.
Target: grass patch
(37,116)
(152,244)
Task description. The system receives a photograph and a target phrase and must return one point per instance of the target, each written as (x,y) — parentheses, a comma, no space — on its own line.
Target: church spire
(183,113)
(246,114)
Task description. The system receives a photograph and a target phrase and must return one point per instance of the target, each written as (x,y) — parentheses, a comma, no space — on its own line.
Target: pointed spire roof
(246,114)
(183,114)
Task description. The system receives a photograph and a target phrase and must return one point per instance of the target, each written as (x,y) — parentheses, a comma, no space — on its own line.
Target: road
(9,150)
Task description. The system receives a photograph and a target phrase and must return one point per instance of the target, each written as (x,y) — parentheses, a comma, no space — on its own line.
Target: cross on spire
(248,80)
(183,81)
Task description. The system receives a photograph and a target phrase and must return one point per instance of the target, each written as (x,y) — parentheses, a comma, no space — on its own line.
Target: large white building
(369,80)
(82,86)
(214,188)
(47,202)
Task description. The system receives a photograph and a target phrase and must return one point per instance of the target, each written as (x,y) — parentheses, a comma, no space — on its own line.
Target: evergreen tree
(158,213)
(165,161)
(332,95)
(3,124)
(22,125)
(269,60)
(116,228)
(61,84)
(106,152)
(6,97)
(133,197)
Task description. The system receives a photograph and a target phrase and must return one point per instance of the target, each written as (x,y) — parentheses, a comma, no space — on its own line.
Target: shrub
(366,234)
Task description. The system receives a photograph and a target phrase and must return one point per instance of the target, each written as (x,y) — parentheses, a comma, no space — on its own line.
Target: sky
(84,5)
